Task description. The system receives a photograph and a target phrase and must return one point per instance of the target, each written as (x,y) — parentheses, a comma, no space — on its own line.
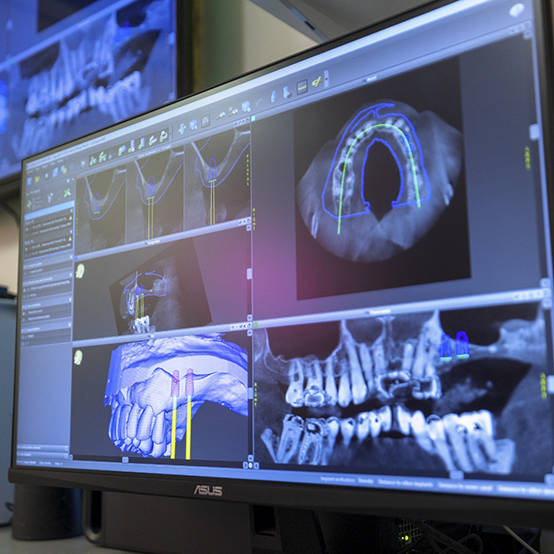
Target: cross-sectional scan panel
(155,195)
(217,181)
(437,391)
(380,185)
(100,221)
(140,291)
(179,398)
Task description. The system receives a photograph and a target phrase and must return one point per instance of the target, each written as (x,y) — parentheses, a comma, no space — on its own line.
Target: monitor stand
(174,525)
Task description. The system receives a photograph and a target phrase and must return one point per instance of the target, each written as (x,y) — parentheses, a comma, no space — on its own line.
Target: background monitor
(326,283)
(69,68)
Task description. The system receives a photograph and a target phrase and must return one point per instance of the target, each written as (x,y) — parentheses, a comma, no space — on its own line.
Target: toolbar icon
(205,120)
(246,106)
(141,143)
(163,135)
(302,87)
(193,125)
(286,93)
(317,82)
(274,96)
(182,128)
(54,172)
(132,146)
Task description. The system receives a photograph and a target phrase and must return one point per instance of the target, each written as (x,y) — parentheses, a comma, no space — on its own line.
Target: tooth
(347,427)
(146,446)
(116,421)
(158,450)
(375,424)
(111,426)
(408,357)
(144,429)
(314,395)
(312,443)
(136,444)
(428,345)
(438,436)
(345,394)
(271,441)
(124,416)
(403,419)
(482,448)
(367,367)
(333,425)
(330,385)
(359,388)
(121,398)
(132,421)
(420,430)
(158,431)
(290,438)
(385,415)
(363,424)
(456,432)
(294,395)
(379,358)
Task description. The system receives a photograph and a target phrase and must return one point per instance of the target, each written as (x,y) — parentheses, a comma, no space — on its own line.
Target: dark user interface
(337,276)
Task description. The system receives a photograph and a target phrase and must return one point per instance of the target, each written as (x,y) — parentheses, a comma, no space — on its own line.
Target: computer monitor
(69,68)
(327,283)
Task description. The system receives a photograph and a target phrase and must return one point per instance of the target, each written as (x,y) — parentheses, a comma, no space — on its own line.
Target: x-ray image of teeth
(100,210)
(345,196)
(407,392)
(155,388)
(165,292)
(155,195)
(99,74)
(217,179)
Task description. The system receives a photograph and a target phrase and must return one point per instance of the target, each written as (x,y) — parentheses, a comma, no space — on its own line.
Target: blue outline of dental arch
(95,197)
(209,186)
(364,114)
(150,198)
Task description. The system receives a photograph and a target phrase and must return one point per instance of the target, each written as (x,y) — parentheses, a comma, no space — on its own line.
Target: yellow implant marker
(174,395)
(189,390)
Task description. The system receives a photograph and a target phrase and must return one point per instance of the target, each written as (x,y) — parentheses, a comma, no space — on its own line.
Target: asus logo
(206,490)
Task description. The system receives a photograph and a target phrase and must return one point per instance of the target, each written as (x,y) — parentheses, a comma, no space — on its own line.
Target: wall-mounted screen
(70,68)
(328,280)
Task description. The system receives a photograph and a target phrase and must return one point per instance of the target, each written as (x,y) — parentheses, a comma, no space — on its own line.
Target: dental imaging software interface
(334,272)
(65,71)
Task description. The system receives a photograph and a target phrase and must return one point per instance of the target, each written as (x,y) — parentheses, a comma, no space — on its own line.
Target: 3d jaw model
(139,298)
(97,204)
(390,389)
(212,174)
(156,387)
(337,193)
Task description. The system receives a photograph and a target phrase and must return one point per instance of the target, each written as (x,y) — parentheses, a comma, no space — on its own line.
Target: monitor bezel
(398,503)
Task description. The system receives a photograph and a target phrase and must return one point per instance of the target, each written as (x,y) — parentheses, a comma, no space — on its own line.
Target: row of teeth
(71,72)
(363,372)
(120,101)
(137,430)
(462,441)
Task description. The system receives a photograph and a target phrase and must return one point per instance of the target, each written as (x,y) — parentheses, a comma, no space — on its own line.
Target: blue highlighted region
(364,125)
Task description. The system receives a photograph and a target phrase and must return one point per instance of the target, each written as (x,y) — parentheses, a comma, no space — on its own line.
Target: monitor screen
(70,68)
(324,283)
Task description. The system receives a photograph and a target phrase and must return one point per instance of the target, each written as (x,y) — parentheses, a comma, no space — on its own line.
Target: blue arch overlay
(135,283)
(88,205)
(364,114)
(210,186)
(400,169)
(166,188)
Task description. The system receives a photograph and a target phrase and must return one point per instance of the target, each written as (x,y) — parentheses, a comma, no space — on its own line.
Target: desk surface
(76,545)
